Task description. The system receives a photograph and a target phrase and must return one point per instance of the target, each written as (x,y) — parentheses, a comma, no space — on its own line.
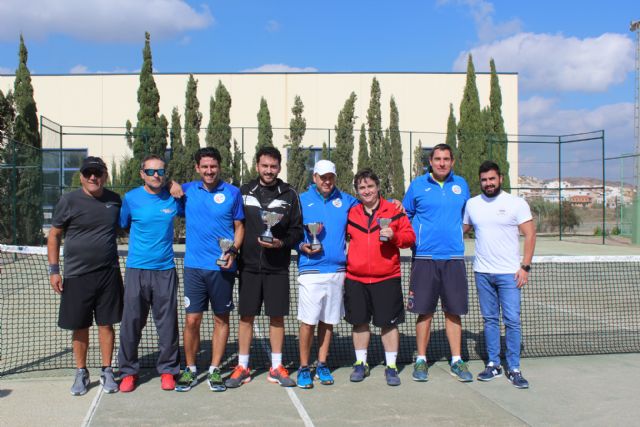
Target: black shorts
(97,293)
(434,279)
(272,288)
(382,301)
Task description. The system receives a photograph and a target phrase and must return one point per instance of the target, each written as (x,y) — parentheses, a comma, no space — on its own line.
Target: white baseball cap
(323,167)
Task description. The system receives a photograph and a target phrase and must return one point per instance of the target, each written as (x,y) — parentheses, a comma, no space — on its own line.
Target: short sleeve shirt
(495,222)
(89,225)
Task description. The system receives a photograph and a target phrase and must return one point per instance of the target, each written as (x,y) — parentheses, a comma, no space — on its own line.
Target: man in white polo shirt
(497,218)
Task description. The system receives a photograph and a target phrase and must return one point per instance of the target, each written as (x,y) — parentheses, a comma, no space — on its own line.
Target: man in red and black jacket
(377,230)
(264,264)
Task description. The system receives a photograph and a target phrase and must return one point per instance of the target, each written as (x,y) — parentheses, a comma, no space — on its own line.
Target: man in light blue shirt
(150,278)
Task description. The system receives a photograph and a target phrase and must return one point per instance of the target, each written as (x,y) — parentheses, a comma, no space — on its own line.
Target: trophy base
(221,262)
(266,239)
(315,246)
(384,239)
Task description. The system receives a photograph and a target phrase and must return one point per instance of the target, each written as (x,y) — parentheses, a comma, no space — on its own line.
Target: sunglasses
(95,172)
(151,172)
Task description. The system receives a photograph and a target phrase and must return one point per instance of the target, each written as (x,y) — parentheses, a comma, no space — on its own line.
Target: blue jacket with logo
(436,214)
(332,212)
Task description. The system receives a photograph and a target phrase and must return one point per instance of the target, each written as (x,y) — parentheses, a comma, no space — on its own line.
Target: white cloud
(482,13)
(79,69)
(556,62)
(280,68)
(100,20)
(273,26)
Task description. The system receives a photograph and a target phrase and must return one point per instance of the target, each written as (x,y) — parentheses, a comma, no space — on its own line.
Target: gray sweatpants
(155,289)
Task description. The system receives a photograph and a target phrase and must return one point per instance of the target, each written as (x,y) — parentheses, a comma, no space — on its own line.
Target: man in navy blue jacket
(322,270)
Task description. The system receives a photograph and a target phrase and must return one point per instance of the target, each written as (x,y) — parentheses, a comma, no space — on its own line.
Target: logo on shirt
(108,205)
(337,203)
(277,203)
(187,302)
(427,189)
(219,198)
(502,212)
(167,211)
(456,189)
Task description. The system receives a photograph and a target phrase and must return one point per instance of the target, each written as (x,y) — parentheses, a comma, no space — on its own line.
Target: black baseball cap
(93,163)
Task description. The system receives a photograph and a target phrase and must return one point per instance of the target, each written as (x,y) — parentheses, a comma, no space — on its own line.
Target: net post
(604,193)
(560,188)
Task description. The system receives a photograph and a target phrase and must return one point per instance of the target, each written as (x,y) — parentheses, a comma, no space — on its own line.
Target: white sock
(276,360)
(423,358)
(212,368)
(193,368)
(390,357)
(454,359)
(243,360)
(361,355)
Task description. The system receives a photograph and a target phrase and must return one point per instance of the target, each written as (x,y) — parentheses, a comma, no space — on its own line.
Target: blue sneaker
(360,372)
(420,371)
(304,378)
(324,374)
(391,375)
(461,371)
(515,377)
(490,372)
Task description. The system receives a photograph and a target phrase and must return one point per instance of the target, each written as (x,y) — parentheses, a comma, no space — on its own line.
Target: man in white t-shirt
(498,218)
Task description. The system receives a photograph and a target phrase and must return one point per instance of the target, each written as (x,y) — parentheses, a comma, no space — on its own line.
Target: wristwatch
(526,267)
(233,250)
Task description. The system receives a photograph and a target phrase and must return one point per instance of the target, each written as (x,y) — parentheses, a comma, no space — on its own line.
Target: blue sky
(575,59)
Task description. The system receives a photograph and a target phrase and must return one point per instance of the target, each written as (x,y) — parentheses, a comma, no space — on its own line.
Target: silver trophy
(225,245)
(314,229)
(270,219)
(384,223)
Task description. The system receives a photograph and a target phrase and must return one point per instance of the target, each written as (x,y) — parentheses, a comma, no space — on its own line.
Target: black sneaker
(490,372)
(515,377)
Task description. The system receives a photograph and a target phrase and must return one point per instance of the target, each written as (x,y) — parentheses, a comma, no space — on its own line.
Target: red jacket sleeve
(403,235)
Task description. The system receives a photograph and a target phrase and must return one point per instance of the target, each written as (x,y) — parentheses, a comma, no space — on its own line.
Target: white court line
(292,396)
(92,409)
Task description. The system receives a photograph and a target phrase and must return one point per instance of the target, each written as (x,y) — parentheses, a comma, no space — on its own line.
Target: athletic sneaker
(128,383)
(391,375)
(420,371)
(360,372)
(461,371)
(304,377)
(109,384)
(215,381)
(80,383)
(490,372)
(167,382)
(515,377)
(280,375)
(187,380)
(323,374)
(238,377)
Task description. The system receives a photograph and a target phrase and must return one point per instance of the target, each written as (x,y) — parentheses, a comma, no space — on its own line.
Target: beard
(494,193)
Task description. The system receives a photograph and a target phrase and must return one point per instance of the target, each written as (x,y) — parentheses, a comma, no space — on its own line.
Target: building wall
(93,108)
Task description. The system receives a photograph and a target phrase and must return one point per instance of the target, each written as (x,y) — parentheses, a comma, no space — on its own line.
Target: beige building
(93,109)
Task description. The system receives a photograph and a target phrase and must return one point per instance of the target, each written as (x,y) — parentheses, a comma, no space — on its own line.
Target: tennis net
(571,306)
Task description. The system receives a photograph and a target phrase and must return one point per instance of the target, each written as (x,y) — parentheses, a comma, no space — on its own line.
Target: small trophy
(270,219)
(314,229)
(384,223)
(225,245)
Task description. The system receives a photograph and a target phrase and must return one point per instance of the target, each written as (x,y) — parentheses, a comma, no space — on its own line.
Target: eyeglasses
(151,172)
(95,172)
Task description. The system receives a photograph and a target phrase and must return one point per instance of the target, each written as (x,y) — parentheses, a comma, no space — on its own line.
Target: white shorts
(321,298)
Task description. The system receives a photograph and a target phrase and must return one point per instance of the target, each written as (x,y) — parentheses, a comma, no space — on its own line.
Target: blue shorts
(204,287)
(438,279)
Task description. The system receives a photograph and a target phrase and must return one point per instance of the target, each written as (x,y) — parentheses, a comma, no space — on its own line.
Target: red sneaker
(128,383)
(167,382)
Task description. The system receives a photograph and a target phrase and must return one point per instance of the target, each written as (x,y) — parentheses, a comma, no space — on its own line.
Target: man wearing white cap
(322,268)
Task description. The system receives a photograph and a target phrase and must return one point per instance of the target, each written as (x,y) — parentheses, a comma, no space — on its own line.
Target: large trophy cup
(314,229)
(225,245)
(384,223)
(270,219)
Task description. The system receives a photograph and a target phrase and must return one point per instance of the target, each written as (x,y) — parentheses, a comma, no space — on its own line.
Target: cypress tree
(29,156)
(297,157)
(498,136)
(265,132)
(114,174)
(363,155)
(236,165)
(452,138)
(471,135)
(343,158)
(192,122)
(180,168)
(395,152)
(418,161)
(150,133)
(376,136)
(7,117)
(325,155)
(219,128)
